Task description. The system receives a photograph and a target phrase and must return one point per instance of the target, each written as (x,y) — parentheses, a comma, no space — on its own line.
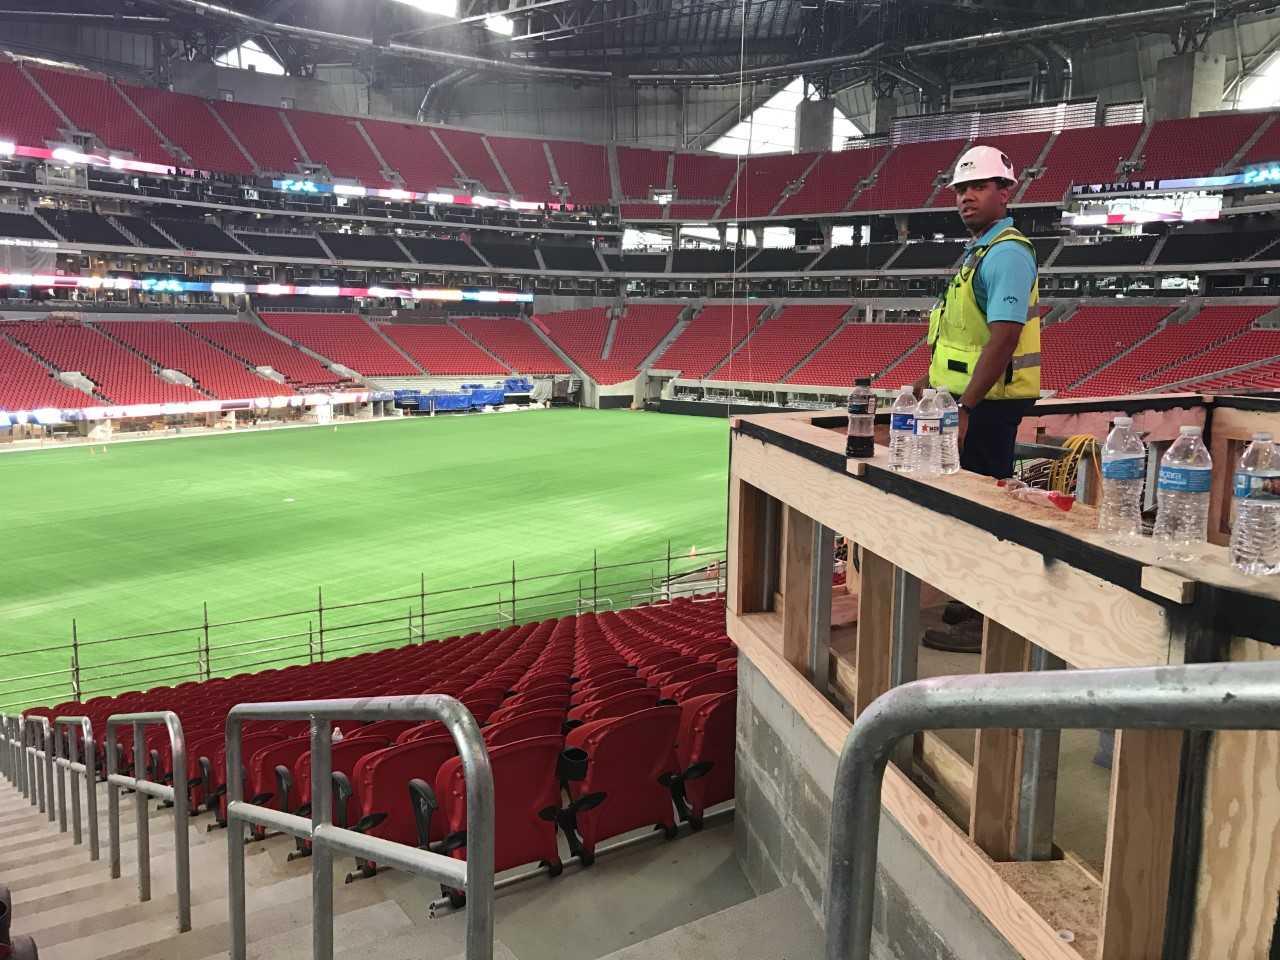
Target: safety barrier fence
(1217,696)
(207,648)
(142,789)
(473,875)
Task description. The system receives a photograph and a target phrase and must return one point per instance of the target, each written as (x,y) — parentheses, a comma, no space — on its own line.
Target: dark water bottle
(862,420)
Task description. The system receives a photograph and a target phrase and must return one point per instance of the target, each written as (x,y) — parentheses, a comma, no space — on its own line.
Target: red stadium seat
(630,761)
(719,682)
(705,748)
(618,705)
(591,692)
(538,723)
(527,799)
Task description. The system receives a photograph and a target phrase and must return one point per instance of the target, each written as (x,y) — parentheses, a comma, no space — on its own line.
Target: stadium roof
(646,41)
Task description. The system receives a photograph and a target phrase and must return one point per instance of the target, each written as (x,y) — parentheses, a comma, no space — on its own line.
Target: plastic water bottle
(1182,511)
(902,429)
(1124,467)
(949,439)
(1255,530)
(928,445)
(861,441)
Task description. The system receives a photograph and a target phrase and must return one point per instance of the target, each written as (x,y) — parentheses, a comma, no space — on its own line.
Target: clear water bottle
(949,439)
(902,429)
(1182,510)
(1124,467)
(862,420)
(1255,530)
(928,446)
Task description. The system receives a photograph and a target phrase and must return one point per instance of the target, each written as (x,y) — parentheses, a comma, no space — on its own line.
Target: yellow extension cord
(1062,475)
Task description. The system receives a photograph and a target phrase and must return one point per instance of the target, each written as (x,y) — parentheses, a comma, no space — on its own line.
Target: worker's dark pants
(993,430)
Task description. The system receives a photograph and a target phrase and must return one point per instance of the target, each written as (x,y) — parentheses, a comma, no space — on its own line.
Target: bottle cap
(1189,431)
(862,382)
(1123,421)
(929,392)
(907,386)
(1262,435)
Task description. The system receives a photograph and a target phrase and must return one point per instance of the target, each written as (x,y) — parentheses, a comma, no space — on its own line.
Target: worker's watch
(966,408)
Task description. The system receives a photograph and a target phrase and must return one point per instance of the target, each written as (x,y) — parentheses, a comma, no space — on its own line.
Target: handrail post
(1212,696)
(62,782)
(475,874)
(87,769)
(238,947)
(141,826)
(322,854)
(143,789)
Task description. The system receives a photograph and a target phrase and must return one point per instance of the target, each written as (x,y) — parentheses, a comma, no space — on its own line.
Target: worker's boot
(962,637)
(956,612)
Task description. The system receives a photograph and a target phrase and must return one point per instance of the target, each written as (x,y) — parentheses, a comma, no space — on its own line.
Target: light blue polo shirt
(1005,277)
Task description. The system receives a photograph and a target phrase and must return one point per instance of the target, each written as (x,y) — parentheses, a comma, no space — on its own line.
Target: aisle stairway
(75,912)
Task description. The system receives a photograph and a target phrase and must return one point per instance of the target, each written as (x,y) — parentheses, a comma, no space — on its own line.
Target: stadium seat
(264,786)
(536,723)
(602,691)
(343,757)
(705,749)
(527,800)
(380,782)
(722,681)
(630,761)
(618,705)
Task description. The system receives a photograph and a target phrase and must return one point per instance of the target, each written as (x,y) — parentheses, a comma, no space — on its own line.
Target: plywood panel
(797,574)
(1061,608)
(1135,880)
(1239,880)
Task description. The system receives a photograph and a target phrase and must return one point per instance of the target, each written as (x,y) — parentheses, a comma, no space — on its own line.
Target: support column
(1187,85)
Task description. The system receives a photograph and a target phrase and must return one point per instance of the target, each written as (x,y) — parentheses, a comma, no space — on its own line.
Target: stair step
(776,926)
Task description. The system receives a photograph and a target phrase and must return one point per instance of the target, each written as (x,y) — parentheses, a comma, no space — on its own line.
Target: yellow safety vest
(958,332)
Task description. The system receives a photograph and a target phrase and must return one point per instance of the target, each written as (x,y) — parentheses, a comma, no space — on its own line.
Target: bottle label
(1185,479)
(860,405)
(1124,468)
(951,421)
(903,421)
(928,428)
(1251,486)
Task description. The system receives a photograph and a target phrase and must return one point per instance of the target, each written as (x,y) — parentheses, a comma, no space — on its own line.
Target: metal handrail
(9,748)
(39,763)
(475,874)
(1216,696)
(89,769)
(144,788)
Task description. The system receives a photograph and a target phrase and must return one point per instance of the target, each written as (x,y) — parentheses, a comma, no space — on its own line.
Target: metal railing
(87,769)
(207,647)
(39,763)
(1217,696)
(144,788)
(11,749)
(474,875)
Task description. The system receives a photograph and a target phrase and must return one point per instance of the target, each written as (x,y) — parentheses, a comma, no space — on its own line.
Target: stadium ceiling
(832,42)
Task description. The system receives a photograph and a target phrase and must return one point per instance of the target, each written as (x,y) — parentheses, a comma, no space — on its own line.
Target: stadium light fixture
(442,8)
(499,23)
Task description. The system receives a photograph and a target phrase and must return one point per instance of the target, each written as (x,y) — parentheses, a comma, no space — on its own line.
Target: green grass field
(135,539)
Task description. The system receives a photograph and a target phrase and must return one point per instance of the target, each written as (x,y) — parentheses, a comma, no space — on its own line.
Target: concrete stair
(778,926)
(75,911)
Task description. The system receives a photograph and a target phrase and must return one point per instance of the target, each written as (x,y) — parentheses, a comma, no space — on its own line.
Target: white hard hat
(983,163)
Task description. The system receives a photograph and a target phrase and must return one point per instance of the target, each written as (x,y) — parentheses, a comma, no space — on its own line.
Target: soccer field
(136,539)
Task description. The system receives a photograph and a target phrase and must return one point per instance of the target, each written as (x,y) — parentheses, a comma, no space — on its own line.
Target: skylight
(772,128)
(250,56)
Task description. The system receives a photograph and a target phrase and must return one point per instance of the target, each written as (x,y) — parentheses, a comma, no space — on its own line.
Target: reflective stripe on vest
(958,332)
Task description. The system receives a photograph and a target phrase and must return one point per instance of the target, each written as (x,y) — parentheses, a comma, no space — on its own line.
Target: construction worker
(984,334)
